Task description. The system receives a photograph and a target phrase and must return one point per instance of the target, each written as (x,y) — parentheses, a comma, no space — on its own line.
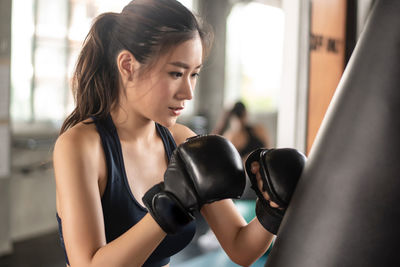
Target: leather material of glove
(173,216)
(208,168)
(280,170)
(202,170)
(269,217)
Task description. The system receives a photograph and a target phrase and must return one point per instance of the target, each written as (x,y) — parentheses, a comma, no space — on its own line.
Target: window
(46,39)
(254,55)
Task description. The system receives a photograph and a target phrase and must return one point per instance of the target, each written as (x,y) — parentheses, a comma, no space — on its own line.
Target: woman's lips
(176,111)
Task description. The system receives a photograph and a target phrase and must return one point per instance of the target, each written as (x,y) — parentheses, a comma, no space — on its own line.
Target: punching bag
(345,211)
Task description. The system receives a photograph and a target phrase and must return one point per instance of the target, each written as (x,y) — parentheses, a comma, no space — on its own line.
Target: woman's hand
(255,169)
(281,169)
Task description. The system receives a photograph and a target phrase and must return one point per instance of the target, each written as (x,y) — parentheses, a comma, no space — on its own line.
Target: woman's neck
(131,127)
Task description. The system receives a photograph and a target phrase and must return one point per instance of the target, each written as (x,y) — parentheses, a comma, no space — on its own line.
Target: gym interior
(283,58)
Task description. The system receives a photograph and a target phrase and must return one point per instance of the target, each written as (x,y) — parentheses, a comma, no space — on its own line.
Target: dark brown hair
(146,28)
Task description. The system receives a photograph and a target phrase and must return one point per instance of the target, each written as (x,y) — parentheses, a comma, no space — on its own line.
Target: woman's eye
(176,74)
(195,75)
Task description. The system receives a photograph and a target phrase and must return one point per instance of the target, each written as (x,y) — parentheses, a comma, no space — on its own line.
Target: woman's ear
(127,65)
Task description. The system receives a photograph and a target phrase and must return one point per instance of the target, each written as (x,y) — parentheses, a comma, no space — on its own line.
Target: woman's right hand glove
(274,174)
(202,170)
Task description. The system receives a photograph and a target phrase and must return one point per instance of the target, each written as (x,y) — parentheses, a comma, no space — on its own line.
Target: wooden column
(327,59)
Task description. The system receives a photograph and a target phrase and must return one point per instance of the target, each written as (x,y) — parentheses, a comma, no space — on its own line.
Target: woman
(134,74)
(235,127)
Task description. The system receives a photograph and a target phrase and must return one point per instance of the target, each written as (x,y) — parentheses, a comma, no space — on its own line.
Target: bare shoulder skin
(180,133)
(261,133)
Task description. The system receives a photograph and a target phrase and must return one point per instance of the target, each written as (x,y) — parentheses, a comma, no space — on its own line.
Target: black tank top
(252,144)
(120,208)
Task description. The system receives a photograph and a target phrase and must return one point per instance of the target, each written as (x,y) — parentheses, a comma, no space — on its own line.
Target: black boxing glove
(202,170)
(280,170)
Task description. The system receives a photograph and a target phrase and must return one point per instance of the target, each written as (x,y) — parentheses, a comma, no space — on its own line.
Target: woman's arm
(77,164)
(243,243)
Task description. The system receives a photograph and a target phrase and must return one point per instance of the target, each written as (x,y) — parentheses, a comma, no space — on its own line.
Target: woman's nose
(186,90)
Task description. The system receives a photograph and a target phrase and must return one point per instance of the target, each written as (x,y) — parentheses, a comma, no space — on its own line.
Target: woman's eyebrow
(183,65)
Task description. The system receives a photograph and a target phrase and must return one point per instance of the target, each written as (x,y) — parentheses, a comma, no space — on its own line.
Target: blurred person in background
(246,137)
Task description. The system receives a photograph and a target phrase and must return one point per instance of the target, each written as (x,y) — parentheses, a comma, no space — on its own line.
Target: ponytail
(95,79)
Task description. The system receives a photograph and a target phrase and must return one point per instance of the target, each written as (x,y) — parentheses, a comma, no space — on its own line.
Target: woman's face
(161,93)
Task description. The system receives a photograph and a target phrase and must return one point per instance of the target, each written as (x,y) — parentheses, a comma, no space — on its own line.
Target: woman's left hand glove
(274,174)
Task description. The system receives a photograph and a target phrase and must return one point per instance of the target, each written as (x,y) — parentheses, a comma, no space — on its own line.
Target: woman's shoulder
(260,131)
(180,133)
(81,138)
(81,133)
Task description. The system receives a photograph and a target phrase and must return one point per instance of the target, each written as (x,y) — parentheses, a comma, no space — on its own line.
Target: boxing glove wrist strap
(269,217)
(166,209)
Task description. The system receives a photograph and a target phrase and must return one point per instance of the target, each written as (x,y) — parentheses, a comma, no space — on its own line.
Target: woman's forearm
(243,243)
(130,249)
(251,242)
